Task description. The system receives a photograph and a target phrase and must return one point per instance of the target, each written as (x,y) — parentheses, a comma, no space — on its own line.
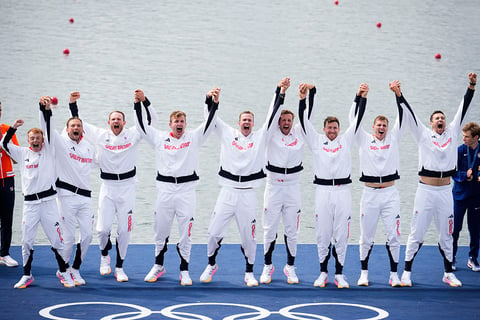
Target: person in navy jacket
(466,193)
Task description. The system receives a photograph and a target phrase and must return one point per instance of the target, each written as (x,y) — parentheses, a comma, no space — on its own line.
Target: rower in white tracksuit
(75,158)
(332,166)
(282,198)
(380,165)
(117,151)
(242,159)
(37,167)
(177,161)
(437,161)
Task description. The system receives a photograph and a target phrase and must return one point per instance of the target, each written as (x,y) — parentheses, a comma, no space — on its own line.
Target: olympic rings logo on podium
(181,311)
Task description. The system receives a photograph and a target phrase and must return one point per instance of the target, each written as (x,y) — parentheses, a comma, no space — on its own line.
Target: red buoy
(438,56)
(379,24)
(54,100)
(66,51)
(71,20)
(336,2)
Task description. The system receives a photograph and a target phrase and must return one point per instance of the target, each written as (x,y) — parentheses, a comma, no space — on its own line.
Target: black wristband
(473,84)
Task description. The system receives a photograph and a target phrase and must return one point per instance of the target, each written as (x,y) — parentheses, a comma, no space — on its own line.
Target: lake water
(177,50)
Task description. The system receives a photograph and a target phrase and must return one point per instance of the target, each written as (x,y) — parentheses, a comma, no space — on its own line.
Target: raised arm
(143,117)
(282,88)
(305,122)
(357,110)
(45,118)
(356,116)
(74,96)
(309,88)
(152,118)
(277,102)
(211,104)
(400,124)
(405,112)
(312,102)
(463,108)
(278,99)
(8,137)
(90,131)
(139,99)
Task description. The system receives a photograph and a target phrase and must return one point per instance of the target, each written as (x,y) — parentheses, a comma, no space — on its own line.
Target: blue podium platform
(227,296)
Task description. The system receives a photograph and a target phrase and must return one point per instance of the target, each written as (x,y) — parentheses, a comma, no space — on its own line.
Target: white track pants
(437,203)
(46,214)
(240,204)
(116,201)
(380,204)
(333,209)
(76,210)
(168,205)
(281,201)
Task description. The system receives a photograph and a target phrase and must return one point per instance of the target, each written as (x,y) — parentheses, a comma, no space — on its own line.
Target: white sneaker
(8,261)
(363,280)
(105,265)
(24,282)
(341,281)
(250,279)
(406,279)
(120,275)
(208,273)
(156,272)
(290,273)
(394,280)
(322,280)
(449,277)
(472,264)
(77,278)
(65,279)
(267,272)
(185,279)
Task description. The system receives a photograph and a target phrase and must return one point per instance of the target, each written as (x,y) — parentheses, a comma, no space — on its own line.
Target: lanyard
(475,154)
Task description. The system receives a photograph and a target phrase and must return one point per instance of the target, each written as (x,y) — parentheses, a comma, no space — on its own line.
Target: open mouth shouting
(440,127)
(285,122)
(246,123)
(75,129)
(178,124)
(179,130)
(437,121)
(285,128)
(116,121)
(116,128)
(380,128)
(246,129)
(35,140)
